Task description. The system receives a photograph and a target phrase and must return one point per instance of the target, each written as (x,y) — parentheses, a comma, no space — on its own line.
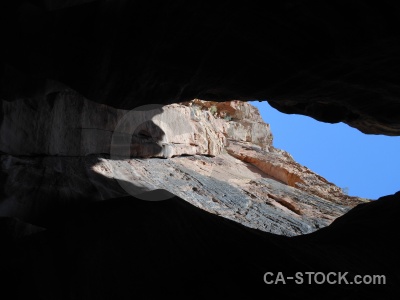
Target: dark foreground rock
(336,61)
(127,248)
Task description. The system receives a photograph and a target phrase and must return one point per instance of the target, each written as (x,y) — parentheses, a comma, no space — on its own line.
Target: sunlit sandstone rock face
(69,125)
(218,156)
(336,61)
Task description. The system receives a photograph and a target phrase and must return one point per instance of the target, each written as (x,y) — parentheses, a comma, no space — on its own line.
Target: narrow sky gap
(366,165)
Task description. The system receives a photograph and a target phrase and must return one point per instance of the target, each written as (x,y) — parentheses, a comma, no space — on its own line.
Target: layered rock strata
(217,156)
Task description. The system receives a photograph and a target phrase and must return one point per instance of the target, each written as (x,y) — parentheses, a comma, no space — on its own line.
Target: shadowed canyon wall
(62,153)
(335,61)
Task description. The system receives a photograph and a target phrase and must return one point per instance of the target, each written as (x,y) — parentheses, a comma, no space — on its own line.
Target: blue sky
(368,165)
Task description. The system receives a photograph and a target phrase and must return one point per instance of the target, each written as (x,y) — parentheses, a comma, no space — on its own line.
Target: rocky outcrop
(279,164)
(336,61)
(221,185)
(237,120)
(66,124)
(217,156)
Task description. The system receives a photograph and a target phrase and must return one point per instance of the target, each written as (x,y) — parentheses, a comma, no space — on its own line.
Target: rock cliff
(218,156)
(335,61)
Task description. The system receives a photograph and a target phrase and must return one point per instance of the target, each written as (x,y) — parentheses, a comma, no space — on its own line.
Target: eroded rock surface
(217,156)
(336,61)
(69,125)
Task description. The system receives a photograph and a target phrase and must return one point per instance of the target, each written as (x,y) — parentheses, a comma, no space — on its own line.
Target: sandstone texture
(69,125)
(217,156)
(335,61)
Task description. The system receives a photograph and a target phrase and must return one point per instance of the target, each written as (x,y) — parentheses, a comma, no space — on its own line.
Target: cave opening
(363,165)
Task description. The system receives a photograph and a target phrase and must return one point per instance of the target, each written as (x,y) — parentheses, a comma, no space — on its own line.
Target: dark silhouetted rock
(335,61)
